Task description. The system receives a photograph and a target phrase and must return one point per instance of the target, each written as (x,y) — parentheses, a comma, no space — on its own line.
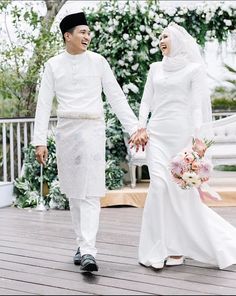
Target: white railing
(16,134)
(220,115)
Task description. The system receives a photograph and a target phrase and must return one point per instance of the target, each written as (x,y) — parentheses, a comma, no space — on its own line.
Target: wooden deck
(36,250)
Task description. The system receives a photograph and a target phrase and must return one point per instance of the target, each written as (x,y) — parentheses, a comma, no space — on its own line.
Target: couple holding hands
(175,224)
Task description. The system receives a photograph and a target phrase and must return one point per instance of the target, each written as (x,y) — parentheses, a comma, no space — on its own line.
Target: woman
(175,221)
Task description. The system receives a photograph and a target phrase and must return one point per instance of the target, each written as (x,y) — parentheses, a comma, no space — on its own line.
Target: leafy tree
(22,61)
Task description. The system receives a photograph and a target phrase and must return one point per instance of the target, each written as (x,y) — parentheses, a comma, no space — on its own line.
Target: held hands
(41,154)
(139,138)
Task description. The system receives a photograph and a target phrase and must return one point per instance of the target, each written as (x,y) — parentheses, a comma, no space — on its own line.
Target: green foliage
(226,168)
(114,175)
(27,187)
(224,104)
(21,62)
(224,97)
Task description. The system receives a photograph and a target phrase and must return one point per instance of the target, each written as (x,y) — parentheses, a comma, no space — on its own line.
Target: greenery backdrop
(126,33)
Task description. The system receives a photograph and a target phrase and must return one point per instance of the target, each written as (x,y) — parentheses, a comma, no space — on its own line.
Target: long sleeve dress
(176,221)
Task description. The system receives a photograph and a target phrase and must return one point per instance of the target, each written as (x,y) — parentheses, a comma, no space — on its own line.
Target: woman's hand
(139,138)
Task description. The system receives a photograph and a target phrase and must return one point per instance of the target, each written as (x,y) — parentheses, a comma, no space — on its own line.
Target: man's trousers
(85,219)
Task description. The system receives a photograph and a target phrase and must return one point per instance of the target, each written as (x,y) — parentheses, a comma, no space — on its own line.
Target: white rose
(171,11)
(130,59)
(142,28)
(134,43)
(125,36)
(110,29)
(156,26)
(115,22)
(151,14)
(138,37)
(148,30)
(164,22)
(155,43)
(135,67)
(133,87)
(228,22)
(153,50)
(121,62)
(125,89)
(130,53)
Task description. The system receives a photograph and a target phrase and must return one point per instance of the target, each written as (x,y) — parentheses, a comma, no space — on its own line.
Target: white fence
(16,134)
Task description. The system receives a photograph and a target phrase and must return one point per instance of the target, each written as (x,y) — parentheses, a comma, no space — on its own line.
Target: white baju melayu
(77,81)
(175,221)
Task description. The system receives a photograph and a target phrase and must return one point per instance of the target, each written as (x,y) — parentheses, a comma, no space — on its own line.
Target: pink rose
(189,157)
(200,147)
(195,166)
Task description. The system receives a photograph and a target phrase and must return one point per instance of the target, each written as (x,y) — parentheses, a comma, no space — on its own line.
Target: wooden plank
(117,278)
(34,289)
(13,292)
(37,249)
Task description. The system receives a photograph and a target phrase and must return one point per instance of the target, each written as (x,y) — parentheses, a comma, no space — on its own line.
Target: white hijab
(183,49)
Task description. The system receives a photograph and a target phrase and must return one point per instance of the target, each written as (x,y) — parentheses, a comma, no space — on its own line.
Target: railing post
(4,151)
(12,152)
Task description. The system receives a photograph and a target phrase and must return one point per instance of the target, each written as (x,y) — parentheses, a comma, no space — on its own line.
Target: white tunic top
(77,81)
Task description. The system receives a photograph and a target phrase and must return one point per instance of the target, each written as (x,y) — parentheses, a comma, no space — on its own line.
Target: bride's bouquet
(190,168)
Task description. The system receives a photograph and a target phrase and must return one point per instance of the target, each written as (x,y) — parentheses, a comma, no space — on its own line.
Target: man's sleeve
(44,106)
(117,99)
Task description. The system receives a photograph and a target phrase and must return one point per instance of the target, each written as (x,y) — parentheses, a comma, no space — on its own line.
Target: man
(77,78)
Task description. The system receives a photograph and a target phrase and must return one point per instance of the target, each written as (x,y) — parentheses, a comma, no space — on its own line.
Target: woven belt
(78,115)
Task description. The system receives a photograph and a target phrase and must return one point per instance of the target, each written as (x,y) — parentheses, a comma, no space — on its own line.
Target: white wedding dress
(176,221)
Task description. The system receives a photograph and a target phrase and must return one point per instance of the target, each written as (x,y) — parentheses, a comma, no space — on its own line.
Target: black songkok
(72,20)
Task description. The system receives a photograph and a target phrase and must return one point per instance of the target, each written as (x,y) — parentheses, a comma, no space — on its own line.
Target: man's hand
(139,138)
(41,154)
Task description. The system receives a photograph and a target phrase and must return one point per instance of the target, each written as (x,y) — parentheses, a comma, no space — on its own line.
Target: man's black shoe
(88,263)
(77,257)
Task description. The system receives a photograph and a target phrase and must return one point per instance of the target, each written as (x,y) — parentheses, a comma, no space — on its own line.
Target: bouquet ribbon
(206,191)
